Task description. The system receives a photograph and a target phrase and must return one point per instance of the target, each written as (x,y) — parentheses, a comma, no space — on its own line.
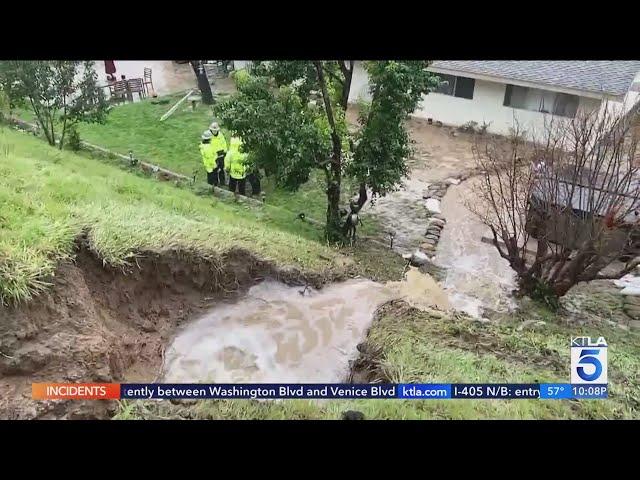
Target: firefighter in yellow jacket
(208,157)
(219,145)
(235,164)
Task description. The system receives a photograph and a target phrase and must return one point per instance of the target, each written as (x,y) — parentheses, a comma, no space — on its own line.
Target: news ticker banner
(279,391)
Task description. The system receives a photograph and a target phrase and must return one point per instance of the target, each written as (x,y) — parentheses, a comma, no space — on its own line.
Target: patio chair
(136,85)
(118,91)
(148,80)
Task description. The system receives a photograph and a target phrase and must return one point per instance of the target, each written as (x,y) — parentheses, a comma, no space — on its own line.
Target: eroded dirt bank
(100,324)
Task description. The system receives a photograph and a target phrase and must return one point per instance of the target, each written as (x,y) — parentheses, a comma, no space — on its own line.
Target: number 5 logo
(589,357)
(589,365)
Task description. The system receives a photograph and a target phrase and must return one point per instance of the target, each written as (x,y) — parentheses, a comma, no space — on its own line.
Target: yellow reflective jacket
(235,161)
(208,156)
(219,143)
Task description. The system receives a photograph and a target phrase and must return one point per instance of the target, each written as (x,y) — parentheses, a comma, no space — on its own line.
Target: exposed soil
(100,324)
(439,151)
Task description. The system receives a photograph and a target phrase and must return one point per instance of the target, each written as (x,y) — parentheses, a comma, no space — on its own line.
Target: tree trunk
(562,287)
(333,207)
(42,122)
(346,86)
(334,179)
(64,129)
(203,81)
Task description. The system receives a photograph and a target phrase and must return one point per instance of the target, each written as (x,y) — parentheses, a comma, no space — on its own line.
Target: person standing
(208,156)
(235,164)
(219,145)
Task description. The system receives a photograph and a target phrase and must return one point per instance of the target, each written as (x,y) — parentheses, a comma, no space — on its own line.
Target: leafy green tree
(291,116)
(60,93)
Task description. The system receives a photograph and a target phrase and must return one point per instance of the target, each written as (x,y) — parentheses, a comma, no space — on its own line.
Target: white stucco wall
(486,106)
(359,84)
(240,64)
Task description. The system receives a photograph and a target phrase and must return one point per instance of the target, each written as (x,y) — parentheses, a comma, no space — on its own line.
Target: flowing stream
(477,276)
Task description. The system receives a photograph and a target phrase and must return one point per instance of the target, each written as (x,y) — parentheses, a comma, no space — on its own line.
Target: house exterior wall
(486,106)
(359,84)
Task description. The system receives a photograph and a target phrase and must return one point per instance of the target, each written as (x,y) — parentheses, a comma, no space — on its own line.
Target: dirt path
(476,276)
(440,154)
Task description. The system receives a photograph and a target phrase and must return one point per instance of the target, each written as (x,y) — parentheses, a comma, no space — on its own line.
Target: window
(461,87)
(447,83)
(566,105)
(543,101)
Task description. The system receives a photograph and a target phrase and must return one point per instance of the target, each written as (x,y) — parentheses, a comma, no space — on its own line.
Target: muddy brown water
(278,333)
(477,276)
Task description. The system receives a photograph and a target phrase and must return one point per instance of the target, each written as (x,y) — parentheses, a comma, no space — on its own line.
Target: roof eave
(523,83)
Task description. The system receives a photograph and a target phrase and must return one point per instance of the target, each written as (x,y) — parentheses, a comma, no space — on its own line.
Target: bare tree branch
(574,189)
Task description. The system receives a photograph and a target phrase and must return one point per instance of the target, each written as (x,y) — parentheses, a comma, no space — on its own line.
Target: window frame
(508,97)
(452,87)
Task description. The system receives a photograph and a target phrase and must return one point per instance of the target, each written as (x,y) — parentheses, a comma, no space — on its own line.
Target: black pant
(254,181)
(220,170)
(217,176)
(242,183)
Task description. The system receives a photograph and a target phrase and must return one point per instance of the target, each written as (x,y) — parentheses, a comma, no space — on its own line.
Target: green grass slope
(49,197)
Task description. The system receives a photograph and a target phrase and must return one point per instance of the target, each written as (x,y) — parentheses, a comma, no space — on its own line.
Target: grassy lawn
(48,197)
(173,144)
(431,347)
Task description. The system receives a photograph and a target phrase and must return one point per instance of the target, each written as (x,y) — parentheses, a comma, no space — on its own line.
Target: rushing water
(477,276)
(402,213)
(276,334)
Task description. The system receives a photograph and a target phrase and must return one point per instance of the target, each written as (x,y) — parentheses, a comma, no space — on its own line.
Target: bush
(73,138)
(474,127)
(469,127)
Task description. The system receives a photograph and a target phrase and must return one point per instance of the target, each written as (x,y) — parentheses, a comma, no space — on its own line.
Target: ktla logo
(588,360)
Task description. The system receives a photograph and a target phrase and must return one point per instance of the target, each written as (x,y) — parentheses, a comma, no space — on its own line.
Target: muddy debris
(420,290)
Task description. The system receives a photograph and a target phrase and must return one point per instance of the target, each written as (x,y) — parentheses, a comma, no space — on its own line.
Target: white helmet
(206,135)
(214,127)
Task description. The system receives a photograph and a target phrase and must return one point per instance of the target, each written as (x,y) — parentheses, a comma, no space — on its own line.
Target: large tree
(291,116)
(60,93)
(563,206)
